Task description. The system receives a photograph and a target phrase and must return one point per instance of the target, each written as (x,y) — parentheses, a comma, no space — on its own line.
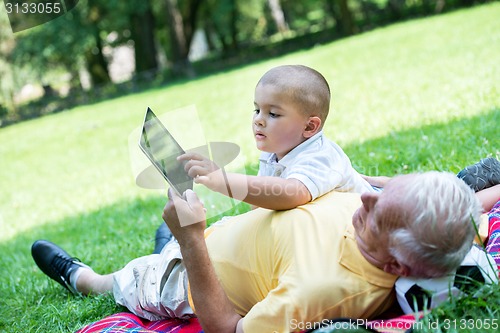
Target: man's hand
(185,216)
(204,171)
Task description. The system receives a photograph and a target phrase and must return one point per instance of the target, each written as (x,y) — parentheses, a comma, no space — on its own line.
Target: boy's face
(278,123)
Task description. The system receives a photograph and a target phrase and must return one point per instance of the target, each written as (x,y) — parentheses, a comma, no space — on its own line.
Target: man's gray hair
(439,228)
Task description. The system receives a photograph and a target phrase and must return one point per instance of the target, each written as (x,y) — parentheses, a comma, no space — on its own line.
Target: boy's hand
(203,171)
(185,216)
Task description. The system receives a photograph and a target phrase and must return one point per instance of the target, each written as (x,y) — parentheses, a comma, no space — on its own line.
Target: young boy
(298,163)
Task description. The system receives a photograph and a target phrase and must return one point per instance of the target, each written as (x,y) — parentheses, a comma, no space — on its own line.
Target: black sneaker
(481,175)
(55,263)
(163,236)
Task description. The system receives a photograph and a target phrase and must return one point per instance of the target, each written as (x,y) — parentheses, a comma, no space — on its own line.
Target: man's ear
(396,268)
(312,127)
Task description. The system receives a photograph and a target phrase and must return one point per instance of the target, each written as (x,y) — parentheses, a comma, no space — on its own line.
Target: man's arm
(267,192)
(186,220)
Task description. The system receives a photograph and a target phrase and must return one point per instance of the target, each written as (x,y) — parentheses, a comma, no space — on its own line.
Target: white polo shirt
(320,164)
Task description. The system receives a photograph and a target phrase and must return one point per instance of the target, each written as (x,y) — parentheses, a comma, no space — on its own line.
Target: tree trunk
(233,27)
(142,24)
(96,64)
(180,48)
(344,21)
(395,9)
(347,20)
(190,20)
(278,15)
(439,6)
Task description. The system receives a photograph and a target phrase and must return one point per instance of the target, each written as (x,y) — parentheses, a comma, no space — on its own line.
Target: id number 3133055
(33,8)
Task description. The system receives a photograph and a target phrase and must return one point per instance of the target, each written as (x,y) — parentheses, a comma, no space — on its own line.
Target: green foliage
(3,110)
(465,314)
(60,43)
(405,98)
(6,44)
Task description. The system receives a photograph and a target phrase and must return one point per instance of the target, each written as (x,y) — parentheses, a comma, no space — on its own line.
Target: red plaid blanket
(493,244)
(130,323)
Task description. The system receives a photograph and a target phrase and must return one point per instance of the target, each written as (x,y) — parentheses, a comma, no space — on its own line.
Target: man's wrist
(191,242)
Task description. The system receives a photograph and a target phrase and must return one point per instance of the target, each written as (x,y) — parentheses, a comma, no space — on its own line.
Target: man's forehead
(393,200)
(400,180)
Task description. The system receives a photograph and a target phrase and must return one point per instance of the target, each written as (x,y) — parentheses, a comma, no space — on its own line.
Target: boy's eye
(257,111)
(273,115)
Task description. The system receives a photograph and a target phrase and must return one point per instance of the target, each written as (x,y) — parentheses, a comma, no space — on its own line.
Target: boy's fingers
(201,180)
(190,156)
(183,157)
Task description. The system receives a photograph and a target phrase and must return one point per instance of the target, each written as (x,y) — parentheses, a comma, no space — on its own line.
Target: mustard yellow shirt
(284,270)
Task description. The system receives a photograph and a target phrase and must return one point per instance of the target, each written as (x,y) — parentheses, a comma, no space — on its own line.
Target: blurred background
(107,48)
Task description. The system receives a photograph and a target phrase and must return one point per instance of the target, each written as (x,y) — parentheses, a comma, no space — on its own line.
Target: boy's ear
(312,127)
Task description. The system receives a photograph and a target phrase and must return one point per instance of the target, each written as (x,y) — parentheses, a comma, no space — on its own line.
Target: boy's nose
(258,120)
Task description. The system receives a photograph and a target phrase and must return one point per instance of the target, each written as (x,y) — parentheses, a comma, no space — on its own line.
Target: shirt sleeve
(316,173)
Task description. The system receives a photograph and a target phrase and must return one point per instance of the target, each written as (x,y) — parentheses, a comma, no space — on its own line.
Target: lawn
(415,96)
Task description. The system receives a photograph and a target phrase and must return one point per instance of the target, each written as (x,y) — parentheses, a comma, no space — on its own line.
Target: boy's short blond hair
(304,86)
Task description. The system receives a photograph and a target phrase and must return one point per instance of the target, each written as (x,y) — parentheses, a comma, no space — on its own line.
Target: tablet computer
(162,150)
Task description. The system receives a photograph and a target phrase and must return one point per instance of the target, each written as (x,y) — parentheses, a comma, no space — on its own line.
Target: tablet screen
(162,149)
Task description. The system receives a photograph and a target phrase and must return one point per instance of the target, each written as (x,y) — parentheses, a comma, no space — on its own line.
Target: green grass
(416,96)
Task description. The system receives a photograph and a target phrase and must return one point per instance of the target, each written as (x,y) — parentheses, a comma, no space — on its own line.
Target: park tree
(70,42)
(7,87)
(219,19)
(57,45)
(131,22)
(395,8)
(94,56)
(278,15)
(343,16)
(142,26)
(182,20)
(78,39)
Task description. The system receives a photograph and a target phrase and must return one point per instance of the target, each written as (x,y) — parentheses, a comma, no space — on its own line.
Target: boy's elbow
(300,197)
(303,199)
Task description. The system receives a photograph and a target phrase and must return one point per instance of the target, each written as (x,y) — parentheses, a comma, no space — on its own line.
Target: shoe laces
(63,265)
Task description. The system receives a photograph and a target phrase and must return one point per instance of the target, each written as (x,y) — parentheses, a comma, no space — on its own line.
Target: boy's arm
(377,181)
(267,192)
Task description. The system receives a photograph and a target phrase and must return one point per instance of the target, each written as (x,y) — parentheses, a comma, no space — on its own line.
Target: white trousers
(154,287)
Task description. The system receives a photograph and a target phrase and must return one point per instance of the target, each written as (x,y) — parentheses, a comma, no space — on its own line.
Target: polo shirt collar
(292,154)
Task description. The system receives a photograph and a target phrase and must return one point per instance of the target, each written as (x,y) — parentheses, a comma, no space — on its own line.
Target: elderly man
(276,271)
